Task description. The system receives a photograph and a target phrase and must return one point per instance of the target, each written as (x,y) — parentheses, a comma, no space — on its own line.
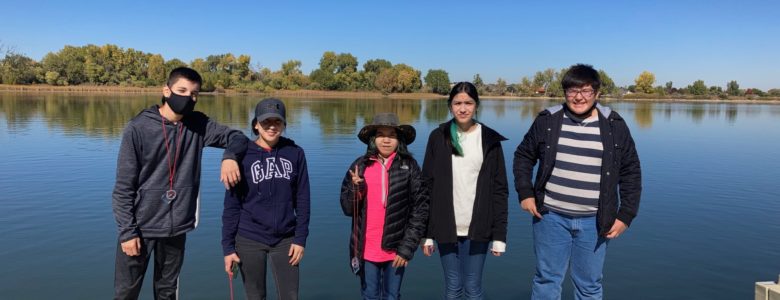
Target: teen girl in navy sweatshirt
(266,216)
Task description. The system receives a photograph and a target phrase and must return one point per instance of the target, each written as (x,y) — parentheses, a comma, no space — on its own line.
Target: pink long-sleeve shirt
(377,182)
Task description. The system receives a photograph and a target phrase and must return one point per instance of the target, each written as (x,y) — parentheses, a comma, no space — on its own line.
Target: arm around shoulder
(221,136)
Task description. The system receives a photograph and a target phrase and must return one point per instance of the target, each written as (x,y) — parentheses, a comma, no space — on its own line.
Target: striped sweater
(573,188)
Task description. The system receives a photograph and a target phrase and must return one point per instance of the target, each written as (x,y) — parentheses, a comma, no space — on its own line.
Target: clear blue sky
(679,41)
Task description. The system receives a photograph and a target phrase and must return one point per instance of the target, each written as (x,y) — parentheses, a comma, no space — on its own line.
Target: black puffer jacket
(407,207)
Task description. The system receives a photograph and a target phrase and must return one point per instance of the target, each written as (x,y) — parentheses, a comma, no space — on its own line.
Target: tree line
(112,65)
(644,86)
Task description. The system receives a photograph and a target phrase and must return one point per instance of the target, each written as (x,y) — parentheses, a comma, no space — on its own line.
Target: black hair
(463,87)
(186,73)
(460,87)
(254,130)
(581,75)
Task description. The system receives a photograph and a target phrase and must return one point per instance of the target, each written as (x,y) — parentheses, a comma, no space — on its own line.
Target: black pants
(168,258)
(254,256)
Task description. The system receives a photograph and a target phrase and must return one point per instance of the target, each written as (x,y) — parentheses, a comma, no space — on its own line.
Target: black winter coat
(406,210)
(620,171)
(489,217)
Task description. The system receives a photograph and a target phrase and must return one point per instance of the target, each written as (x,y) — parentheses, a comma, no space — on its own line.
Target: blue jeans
(381,281)
(561,241)
(463,262)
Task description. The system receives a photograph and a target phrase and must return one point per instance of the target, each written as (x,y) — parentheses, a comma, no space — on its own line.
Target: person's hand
(498,248)
(428,249)
(356,180)
(529,205)
(399,262)
(229,175)
(295,254)
(229,261)
(132,247)
(617,229)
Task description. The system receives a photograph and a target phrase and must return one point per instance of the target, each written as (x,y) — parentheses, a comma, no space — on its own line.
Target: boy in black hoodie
(155,199)
(266,216)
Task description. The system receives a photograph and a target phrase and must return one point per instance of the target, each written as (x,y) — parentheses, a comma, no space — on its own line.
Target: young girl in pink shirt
(384,194)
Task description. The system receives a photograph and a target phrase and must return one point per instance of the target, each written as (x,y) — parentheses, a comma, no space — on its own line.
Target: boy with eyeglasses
(157,192)
(587,186)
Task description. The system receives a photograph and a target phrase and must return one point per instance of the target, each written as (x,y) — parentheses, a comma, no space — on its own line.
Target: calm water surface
(708,226)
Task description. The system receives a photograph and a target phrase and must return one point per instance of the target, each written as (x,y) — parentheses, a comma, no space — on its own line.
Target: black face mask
(181,105)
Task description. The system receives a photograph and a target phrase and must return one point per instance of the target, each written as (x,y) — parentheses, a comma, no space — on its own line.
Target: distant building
(542,90)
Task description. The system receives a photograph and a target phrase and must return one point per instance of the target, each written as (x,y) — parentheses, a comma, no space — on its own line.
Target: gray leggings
(253,257)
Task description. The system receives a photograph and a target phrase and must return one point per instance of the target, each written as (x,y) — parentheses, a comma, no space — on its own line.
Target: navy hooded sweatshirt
(271,202)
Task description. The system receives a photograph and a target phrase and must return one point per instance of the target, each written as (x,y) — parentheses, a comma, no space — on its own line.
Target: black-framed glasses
(587,93)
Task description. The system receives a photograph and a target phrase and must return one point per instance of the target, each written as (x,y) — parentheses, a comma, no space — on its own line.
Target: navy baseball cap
(269,108)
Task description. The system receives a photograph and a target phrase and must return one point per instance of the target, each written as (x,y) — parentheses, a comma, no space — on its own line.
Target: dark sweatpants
(168,258)
(253,256)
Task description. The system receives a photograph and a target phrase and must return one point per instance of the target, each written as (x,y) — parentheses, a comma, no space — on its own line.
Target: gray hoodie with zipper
(145,166)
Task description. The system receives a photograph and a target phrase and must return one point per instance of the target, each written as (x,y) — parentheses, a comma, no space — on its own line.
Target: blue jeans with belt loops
(560,242)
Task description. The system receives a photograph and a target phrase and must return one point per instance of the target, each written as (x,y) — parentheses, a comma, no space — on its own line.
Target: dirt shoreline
(92,89)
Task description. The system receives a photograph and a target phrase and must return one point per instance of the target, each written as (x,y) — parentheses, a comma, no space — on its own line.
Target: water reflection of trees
(107,115)
(667,108)
(335,116)
(774,110)
(643,114)
(531,108)
(340,116)
(436,111)
(17,112)
(731,113)
(236,111)
(93,114)
(696,112)
(499,108)
(713,111)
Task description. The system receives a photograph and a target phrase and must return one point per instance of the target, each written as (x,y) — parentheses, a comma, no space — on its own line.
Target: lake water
(708,226)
